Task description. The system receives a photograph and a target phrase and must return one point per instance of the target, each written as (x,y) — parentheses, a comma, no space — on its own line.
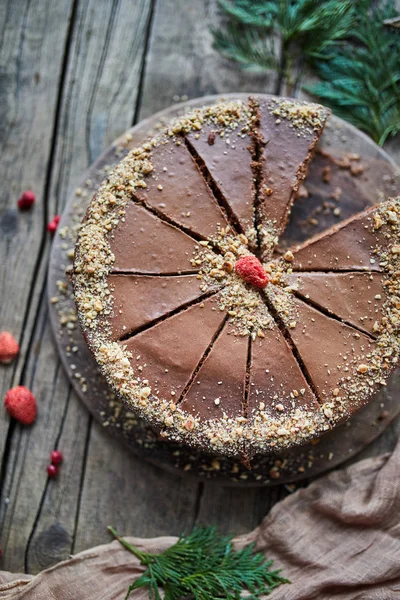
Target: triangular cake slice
(289,131)
(337,358)
(227,159)
(277,384)
(140,299)
(142,242)
(350,245)
(218,387)
(280,401)
(354,297)
(176,189)
(161,354)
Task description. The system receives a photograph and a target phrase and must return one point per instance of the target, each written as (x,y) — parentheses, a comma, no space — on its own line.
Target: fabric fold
(338,539)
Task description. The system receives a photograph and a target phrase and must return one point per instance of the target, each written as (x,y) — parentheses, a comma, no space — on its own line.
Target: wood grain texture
(133,496)
(26,482)
(39,520)
(74,74)
(181,62)
(52,534)
(236,510)
(32,52)
(101,88)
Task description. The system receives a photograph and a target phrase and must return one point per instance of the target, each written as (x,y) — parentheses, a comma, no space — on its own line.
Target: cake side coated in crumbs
(206,358)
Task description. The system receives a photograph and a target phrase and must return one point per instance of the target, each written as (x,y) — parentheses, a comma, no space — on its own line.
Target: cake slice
(226,160)
(277,384)
(219,385)
(350,245)
(142,242)
(342,364)
(280,404)
(167,354)
(289,131)
(176,189)
(138,300)
(356,298)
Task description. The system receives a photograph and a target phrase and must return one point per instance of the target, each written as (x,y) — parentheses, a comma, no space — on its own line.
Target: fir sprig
(349,45)
(204,565)
(304,29)
(360,81)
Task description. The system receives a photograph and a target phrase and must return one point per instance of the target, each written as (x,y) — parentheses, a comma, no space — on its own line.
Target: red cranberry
(56,457)
(52,470)
(26,200)
(52,226)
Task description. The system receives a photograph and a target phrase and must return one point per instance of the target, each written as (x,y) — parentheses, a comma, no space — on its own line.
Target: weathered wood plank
(384,443)
(101,88)
(236,510)
(134,496)
(181,62)
(26,482)
(97,104)
(53,532)
(32,51)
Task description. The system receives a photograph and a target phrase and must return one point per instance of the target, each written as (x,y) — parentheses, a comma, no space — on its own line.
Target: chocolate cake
(194,319)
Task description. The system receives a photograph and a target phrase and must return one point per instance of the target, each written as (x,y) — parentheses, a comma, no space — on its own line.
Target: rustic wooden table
(74,75)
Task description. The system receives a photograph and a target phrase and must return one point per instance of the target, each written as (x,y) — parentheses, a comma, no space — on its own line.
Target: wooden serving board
(348,173)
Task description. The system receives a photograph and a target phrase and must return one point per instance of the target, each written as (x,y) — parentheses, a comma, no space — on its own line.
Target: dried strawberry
(251,270)
(26,200)
(21,404)
(8,347)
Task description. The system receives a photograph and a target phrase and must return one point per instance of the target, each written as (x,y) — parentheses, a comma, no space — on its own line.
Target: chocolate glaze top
(206,357)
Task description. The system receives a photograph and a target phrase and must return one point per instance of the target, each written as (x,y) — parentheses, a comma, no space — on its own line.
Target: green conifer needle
(204,565)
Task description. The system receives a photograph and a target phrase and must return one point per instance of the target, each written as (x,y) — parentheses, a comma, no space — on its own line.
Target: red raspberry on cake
(251,271)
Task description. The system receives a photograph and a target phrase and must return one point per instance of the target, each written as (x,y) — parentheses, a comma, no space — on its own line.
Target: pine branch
(247,46)
(360,80)
(251,12)
(204,565)
(252,26)
(347,43)
(314,25)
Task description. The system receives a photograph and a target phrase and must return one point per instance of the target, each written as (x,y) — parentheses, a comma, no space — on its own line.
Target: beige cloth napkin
(338,539)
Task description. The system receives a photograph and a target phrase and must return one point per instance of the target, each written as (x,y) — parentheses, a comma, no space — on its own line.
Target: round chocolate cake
(196,320)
